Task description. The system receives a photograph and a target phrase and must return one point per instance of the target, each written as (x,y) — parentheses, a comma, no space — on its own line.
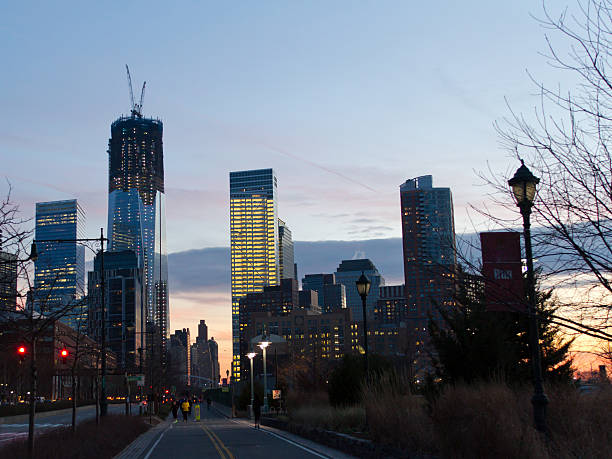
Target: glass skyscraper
(347,274)
(285,252)
(59,270)
(137,208)
(254,242)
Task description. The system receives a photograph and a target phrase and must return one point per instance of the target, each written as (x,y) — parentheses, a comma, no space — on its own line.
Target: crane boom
(141,97)
(130,85)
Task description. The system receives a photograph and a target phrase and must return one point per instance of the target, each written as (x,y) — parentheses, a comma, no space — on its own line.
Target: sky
(345,100)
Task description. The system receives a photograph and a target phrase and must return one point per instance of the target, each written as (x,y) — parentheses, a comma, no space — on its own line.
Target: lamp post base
(539,402)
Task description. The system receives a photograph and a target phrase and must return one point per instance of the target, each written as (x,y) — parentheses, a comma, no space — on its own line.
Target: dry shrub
(580,423)
(341,419)
(90,441)
(395,416)
(485,420)
(297,399)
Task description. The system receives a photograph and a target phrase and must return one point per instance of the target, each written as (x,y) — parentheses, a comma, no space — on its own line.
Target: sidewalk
(138,447)
(292,438)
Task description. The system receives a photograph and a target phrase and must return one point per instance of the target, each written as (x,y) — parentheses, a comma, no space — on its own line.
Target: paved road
(50,420)
(218,437)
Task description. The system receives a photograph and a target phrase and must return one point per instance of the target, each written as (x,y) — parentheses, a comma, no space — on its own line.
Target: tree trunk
(74,397)
(32,400)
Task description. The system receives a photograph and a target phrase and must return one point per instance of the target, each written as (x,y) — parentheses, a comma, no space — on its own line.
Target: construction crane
(136,107)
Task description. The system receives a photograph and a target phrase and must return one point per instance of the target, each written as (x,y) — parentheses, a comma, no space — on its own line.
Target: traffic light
(64,354)
(21,352)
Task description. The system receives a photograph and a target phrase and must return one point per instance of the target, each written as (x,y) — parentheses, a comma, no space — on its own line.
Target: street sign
(276,394)
(139,379)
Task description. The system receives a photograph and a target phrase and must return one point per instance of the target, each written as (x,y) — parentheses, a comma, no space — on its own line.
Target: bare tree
(565,142)
(27,314)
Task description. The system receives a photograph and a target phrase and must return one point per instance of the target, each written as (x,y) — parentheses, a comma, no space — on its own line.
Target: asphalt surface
(45,421)
(218,437)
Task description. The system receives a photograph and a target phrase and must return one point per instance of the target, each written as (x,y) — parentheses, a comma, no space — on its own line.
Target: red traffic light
(167,391)
(64,353)
(21,351)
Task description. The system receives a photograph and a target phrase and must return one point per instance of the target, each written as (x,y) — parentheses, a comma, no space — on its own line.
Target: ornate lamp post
(363,287)
(263,345)
(523,186)
(251,356)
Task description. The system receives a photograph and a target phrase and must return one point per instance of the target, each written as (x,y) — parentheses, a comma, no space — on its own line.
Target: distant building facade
(347,274)
(287,265)
(204,359)
(179,357)
(308,334)
(8,282)
(125,309)
(331,295)
(59,270)
(428,236)
(391,306)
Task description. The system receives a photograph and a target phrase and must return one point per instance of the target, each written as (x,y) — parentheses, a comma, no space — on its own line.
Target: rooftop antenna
(136,110)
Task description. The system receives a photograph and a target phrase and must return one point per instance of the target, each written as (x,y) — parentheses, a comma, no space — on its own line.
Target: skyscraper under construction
(137,207)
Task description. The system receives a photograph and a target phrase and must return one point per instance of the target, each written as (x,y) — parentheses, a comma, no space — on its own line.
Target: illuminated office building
(254,242)
(137,209)
(59,270)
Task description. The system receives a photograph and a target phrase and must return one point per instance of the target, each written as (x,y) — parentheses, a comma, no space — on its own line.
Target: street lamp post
(263,345)
(251,356)
(523,186)
(363,287)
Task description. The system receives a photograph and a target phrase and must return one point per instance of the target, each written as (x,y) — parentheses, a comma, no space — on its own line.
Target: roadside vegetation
(90,441)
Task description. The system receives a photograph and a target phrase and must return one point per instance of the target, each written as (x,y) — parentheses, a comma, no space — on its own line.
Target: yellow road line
(229,454)
(214,442)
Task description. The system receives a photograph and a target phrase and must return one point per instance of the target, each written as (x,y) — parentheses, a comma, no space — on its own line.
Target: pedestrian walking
(175,408)
(208,402)
(257,411)
(185,409)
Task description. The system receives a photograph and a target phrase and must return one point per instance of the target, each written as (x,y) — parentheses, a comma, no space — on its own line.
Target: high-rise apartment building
(59,270)
(179,354)
(285,252)
(137,208)
(347,274)
(428,233)
(254,242)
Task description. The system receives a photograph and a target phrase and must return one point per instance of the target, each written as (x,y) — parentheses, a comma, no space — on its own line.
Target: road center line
(214,442)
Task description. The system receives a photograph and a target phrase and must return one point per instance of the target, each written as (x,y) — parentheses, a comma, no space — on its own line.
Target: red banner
(502,271)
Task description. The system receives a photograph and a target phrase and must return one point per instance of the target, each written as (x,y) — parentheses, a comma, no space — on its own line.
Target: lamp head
(264,344)
(251,355)
(523,185)
(363,285)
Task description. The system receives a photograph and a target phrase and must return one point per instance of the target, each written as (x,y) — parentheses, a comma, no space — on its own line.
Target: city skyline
(339,150)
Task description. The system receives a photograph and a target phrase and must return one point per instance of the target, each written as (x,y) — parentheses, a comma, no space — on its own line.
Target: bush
(345,419)
(488,420)
(90,441)
(345,381)
(580,423)
(396,416)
